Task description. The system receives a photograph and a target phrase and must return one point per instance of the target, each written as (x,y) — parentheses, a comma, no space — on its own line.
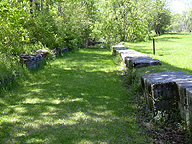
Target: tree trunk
(37,3)
(31,7)
(47,5)
(158,31)
(41,5)
(59,9)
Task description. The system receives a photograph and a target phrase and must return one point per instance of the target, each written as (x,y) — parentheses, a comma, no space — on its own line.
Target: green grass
(79,98)
(174,50)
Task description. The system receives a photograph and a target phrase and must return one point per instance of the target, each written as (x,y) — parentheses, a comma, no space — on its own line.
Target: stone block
(130,54)
(116,48)
(126,51)
(185,101)
(140,60)
(160,89)
(42,52)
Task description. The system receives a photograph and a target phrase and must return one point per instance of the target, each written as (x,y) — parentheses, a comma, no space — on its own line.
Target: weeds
(163,127)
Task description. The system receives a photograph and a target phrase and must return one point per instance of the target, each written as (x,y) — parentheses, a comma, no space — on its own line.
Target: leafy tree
(159,16)
(77,23)
(181,22)
(124,20)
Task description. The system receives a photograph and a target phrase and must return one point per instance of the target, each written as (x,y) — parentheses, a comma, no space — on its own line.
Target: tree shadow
(169,37)
(77,99)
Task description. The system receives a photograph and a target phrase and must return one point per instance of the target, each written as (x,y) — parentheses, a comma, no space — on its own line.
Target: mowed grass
(174,50)
(76,99)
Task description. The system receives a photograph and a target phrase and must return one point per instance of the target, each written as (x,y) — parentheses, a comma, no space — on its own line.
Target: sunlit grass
(174,50)
(76,99)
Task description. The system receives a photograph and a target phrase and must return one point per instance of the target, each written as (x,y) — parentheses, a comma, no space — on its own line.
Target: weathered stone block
(130,54)
(160,89)
(116,48)
(185,101)
(126,51)
(141,61)
(42,52)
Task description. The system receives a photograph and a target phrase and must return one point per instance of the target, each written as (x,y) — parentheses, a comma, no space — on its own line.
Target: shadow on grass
(77,99)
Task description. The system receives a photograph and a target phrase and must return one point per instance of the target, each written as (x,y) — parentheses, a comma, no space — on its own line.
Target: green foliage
(9,69)
(132,20)
(181,22)
(12,20)
(42,29)
(159,16)
(75,23)
(30,25)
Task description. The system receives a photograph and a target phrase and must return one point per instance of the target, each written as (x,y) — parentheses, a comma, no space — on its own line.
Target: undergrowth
(162,127)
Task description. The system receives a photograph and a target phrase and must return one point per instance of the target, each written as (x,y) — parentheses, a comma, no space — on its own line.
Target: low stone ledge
(60,50)
(142,61)
(116,48)
(126,51)
(160,89)
(32,60)
(130,54)
(136,59)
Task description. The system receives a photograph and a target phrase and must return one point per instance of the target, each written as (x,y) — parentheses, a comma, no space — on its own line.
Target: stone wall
(32,61)
(132,58)
(165,91)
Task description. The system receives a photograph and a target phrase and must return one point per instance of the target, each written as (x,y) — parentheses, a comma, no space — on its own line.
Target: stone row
(32,60)
(134,59)
(167,91)
(164,91)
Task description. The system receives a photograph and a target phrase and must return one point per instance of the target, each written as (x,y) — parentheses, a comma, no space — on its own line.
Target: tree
(181,22)
(78,23)
(160,16)
(124,20)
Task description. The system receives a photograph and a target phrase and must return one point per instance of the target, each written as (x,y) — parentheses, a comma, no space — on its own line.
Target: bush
(9,69)
(42,29)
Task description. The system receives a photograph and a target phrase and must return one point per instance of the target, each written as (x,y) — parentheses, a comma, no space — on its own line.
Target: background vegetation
(77,99)
(28,25)
(77,23)
(53,101)
(181,22)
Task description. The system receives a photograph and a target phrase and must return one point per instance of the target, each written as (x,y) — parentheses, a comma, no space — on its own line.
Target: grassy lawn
(174,50)
(79,98)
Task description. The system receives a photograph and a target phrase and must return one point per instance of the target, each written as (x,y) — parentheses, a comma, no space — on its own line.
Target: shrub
(9,69)
(42,29)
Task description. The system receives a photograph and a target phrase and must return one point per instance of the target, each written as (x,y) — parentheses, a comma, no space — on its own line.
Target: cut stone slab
(116,48)
(130,54)
(143,61)
(126,51)
(170,76)
(185,101)
(160,89)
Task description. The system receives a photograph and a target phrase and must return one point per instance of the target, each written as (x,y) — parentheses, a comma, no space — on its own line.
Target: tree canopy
(181,22)
(29,24)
